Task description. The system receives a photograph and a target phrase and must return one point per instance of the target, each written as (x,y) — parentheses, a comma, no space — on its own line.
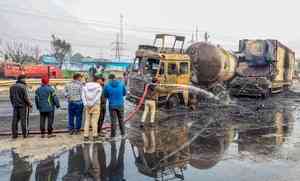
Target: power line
(133,28)
(49,41)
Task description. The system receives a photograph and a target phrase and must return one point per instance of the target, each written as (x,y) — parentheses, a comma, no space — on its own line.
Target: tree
(21,53)
(60,48)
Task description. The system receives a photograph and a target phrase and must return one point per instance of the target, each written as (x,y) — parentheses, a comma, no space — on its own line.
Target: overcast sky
(227,20)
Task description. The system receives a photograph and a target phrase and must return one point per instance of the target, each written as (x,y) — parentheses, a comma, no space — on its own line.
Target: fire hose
(108,126)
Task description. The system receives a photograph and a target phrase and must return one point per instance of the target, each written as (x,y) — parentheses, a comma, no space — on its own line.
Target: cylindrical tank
(211,64)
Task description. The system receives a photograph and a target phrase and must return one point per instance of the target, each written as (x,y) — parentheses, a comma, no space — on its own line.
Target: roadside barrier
(7,83)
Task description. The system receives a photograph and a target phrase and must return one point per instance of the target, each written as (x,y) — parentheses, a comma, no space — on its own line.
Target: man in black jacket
(20,102)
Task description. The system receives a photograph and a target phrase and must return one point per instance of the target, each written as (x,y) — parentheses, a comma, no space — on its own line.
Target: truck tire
(173,102)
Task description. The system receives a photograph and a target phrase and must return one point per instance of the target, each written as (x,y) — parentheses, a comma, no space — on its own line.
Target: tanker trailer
(203,66)
(211,64)
(212,68)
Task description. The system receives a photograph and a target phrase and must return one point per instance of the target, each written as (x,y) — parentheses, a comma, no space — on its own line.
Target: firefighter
(20,101)
(151,101)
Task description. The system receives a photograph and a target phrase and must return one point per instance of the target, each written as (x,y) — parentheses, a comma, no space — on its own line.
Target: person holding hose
(151,101)
(46,101)
(20,101)
(91,95)
(115,91)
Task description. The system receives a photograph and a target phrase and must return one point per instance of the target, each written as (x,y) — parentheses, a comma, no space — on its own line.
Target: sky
(226,21)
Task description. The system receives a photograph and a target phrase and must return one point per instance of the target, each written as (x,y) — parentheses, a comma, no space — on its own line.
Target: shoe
(14,137)
(71,132)
(42,136)
(77,131)
(85,139)
(51,136)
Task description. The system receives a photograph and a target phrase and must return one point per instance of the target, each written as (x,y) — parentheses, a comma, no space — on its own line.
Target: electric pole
(118,45)
(206,37)
(192,40)
(121,35)
(197,34)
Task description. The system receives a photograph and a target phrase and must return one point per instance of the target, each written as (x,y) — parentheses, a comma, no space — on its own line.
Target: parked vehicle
(260,67)
(264,67)
(13,70)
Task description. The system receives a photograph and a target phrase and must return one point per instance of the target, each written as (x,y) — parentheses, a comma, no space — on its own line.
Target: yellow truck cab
(167,62)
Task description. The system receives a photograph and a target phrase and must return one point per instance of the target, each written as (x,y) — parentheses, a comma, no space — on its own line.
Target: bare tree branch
(22,53)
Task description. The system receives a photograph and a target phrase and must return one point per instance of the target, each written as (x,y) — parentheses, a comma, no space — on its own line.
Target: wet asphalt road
(255,140)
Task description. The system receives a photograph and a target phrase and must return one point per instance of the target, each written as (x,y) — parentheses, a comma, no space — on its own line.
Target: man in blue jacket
(115,91)
(46,101)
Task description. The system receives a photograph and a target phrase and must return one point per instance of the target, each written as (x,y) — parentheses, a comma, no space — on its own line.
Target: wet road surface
(254,140)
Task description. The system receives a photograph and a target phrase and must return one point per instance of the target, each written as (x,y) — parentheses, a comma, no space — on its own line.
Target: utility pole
(118,44)
(117,47)
(206,37)
(197,34)
(121,35)
(192,40)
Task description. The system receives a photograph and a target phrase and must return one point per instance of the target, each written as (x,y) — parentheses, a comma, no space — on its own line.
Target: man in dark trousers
(102,107)
(46,101)
(115,91)
(20,101)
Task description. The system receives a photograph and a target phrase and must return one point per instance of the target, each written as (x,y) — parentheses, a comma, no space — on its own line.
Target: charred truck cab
(167,62)
(264,67)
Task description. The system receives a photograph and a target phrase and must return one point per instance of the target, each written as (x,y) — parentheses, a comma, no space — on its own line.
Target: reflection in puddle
(181,148)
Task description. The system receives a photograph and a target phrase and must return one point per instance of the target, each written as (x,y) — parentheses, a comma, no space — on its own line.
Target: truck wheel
(173,102)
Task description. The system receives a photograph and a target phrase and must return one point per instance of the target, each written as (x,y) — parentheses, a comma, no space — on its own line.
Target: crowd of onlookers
(86,100)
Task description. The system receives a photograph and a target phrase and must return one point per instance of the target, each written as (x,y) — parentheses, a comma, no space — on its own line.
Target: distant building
(49,60)
(85,63)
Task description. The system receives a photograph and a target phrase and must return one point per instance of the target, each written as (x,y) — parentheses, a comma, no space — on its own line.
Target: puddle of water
(185,147)
(235,142)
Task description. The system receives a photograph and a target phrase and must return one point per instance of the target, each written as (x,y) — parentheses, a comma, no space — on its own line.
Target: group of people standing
(45,100)
(86,100)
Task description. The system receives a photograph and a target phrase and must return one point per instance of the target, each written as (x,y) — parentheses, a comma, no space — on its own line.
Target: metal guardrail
(32,82)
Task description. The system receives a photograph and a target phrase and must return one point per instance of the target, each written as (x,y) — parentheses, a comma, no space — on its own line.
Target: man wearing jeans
(115,91)
(73,93)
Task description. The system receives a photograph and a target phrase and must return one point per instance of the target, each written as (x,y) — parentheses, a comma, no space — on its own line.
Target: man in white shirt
(91,94)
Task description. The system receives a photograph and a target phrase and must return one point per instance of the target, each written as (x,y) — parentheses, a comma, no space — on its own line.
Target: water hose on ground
(107,126)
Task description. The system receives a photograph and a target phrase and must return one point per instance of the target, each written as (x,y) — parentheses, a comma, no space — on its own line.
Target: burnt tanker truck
(259,68)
